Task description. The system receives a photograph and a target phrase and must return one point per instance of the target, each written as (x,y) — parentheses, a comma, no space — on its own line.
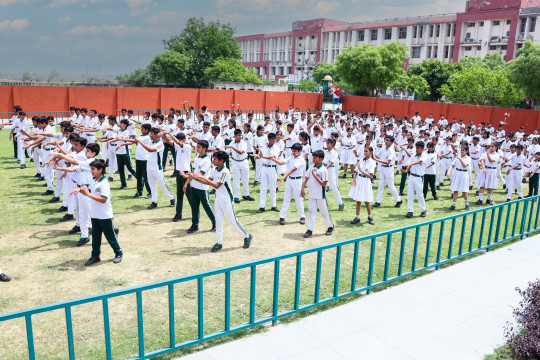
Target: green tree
(436,73)
(53,76)
(371,69)
(140,77)
(320,70)
(412,83)
(479,85)
(306,85)
(170,67)
(230,69)
(490,61)
(203,44)
(524,70)
(26,76)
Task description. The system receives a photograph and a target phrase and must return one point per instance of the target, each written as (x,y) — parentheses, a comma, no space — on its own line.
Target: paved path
(455,313)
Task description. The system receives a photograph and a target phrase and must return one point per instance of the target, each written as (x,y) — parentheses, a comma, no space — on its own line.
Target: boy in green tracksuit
(122,154)
(199,191)
(141,160)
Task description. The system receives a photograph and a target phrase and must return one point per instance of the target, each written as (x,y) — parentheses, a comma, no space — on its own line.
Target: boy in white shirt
(239,165)
(416,166)
(183,166)
(295,165)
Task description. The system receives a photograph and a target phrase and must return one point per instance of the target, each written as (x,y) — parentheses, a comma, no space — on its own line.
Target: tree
(524,70)
(371,68)
(436,73)
(26,76)
(170,67)
(490,61)
(140,77)
(479,85)
(53,75)
(224,69)
(412,83)
(320,70)
(203,44)
(306,85)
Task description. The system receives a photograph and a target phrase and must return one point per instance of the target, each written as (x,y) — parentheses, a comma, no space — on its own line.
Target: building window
(471,24)
(290,70)
(387,34)
(415,31)
(496,23)
(454,31)
(431,30)
(478,48)
(493,47)
(435,51)
(281,71)
(361,35)
(504,47)
(508,22)
(428,52)
(533,25)
(449,30)
(438,30)
(415,52)
(421,31)
(468,48)
(273,71)
(481,23)
(446,48)
(523,25)
(403,33)
(374,35)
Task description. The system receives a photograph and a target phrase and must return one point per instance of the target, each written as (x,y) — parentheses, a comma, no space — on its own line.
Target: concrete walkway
(455,313)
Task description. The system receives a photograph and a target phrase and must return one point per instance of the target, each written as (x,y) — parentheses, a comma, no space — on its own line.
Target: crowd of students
(307,150)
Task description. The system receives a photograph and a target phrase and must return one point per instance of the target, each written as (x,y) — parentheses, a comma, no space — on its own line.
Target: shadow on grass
(198,251)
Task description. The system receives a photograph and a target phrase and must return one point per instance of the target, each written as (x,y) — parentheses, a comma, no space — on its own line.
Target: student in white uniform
(430,177)
(459,175)
(220,179)
(416,167)
(269,156)
(294,165)
(515,173)
(21,128)
(385,158)
(316,179)
(101,213)
(361,187)
(488,177)
(348,159)
(331,161)
(446,154)
(239,165)
(260,140)
(154,167)
(182,168)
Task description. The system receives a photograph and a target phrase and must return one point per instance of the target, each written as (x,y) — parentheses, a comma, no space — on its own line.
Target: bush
(524,338)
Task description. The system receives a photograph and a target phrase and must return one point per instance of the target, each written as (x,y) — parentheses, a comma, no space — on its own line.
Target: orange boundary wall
(110,99)
(514,118)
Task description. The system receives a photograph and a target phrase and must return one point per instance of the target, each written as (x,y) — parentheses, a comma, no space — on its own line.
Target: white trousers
(112,160)
(59,187)
(240,172)
(445,165)
(36,155)
(333,184)
(83,214)
(474,167)
(47,171)
(386,177)
(415,188)
(20,150)
(268,181)
(224,208)
(513,182)
(258,168)
(499,174)
(292,188)
(69,186)
(155,177)
(322,205)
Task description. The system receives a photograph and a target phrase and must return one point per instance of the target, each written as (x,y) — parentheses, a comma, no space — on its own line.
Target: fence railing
(351,267)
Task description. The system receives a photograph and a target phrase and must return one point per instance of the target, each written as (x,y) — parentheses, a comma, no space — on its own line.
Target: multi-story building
(486,26)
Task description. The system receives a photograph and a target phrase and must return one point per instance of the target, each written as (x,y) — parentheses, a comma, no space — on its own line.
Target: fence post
(337,270)
(318,277)
(276,292)
(371,260)
(387,257)
(172,330)
(30,337)
(355,266)
(439,249)
(140,324)
(69,328)
(297,281)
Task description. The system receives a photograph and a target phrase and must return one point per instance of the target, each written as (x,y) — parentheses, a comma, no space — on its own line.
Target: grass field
(47,267)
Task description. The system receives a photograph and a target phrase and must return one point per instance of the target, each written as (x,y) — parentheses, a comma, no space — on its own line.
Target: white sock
(480,196)
(453,203)
(489,196)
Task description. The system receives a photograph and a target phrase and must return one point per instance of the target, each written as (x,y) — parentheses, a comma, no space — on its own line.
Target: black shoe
(192,229)
(376,204)
(62,209)
(111,179)
(275,209)
(302,221)
(67,217)
(93,260)
(216,247)
(37,175)
(213,228)
(173,175)
(212,192)
(44,184)
(129,177)
(341,207)
(401,194)
(489,202)
(247,241)
(252,168)
(356,220)
(41,178)
(281,221)
(117,258)
(82,241)
(438,187)
(248,198)
(137,195)
(435,198)
(173,201)
(370,220)
(308,234)
(260,210)
(177,218)
(54,200)
(504,186)
(116,231)
(398,204)
(423,214)
(116,172)
(152,206)
(343,176)
(478,202)
(255,183)
(149,196)
(329,231)
(47,193)
(470,187)
(409,215)
(477,193)
(452,208)
(4,278)
(123,188)
(236,200)
(75,229)
(23,166)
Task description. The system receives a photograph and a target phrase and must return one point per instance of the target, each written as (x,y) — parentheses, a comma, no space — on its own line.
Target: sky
(111,37)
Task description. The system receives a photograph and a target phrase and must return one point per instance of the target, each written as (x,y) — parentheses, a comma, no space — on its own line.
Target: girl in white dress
(361,190)
(459,173)
(488,176)
(281,169)
(348,144)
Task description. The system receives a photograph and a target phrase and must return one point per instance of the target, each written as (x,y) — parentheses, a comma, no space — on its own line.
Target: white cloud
(117,30)
(60,3)
(64,19)
(163,16)
(14,2)
(17,25)
(138,3)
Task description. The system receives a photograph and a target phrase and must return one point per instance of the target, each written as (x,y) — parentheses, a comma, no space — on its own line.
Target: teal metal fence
(372,261)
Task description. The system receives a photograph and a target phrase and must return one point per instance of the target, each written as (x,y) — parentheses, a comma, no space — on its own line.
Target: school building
(500,26)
